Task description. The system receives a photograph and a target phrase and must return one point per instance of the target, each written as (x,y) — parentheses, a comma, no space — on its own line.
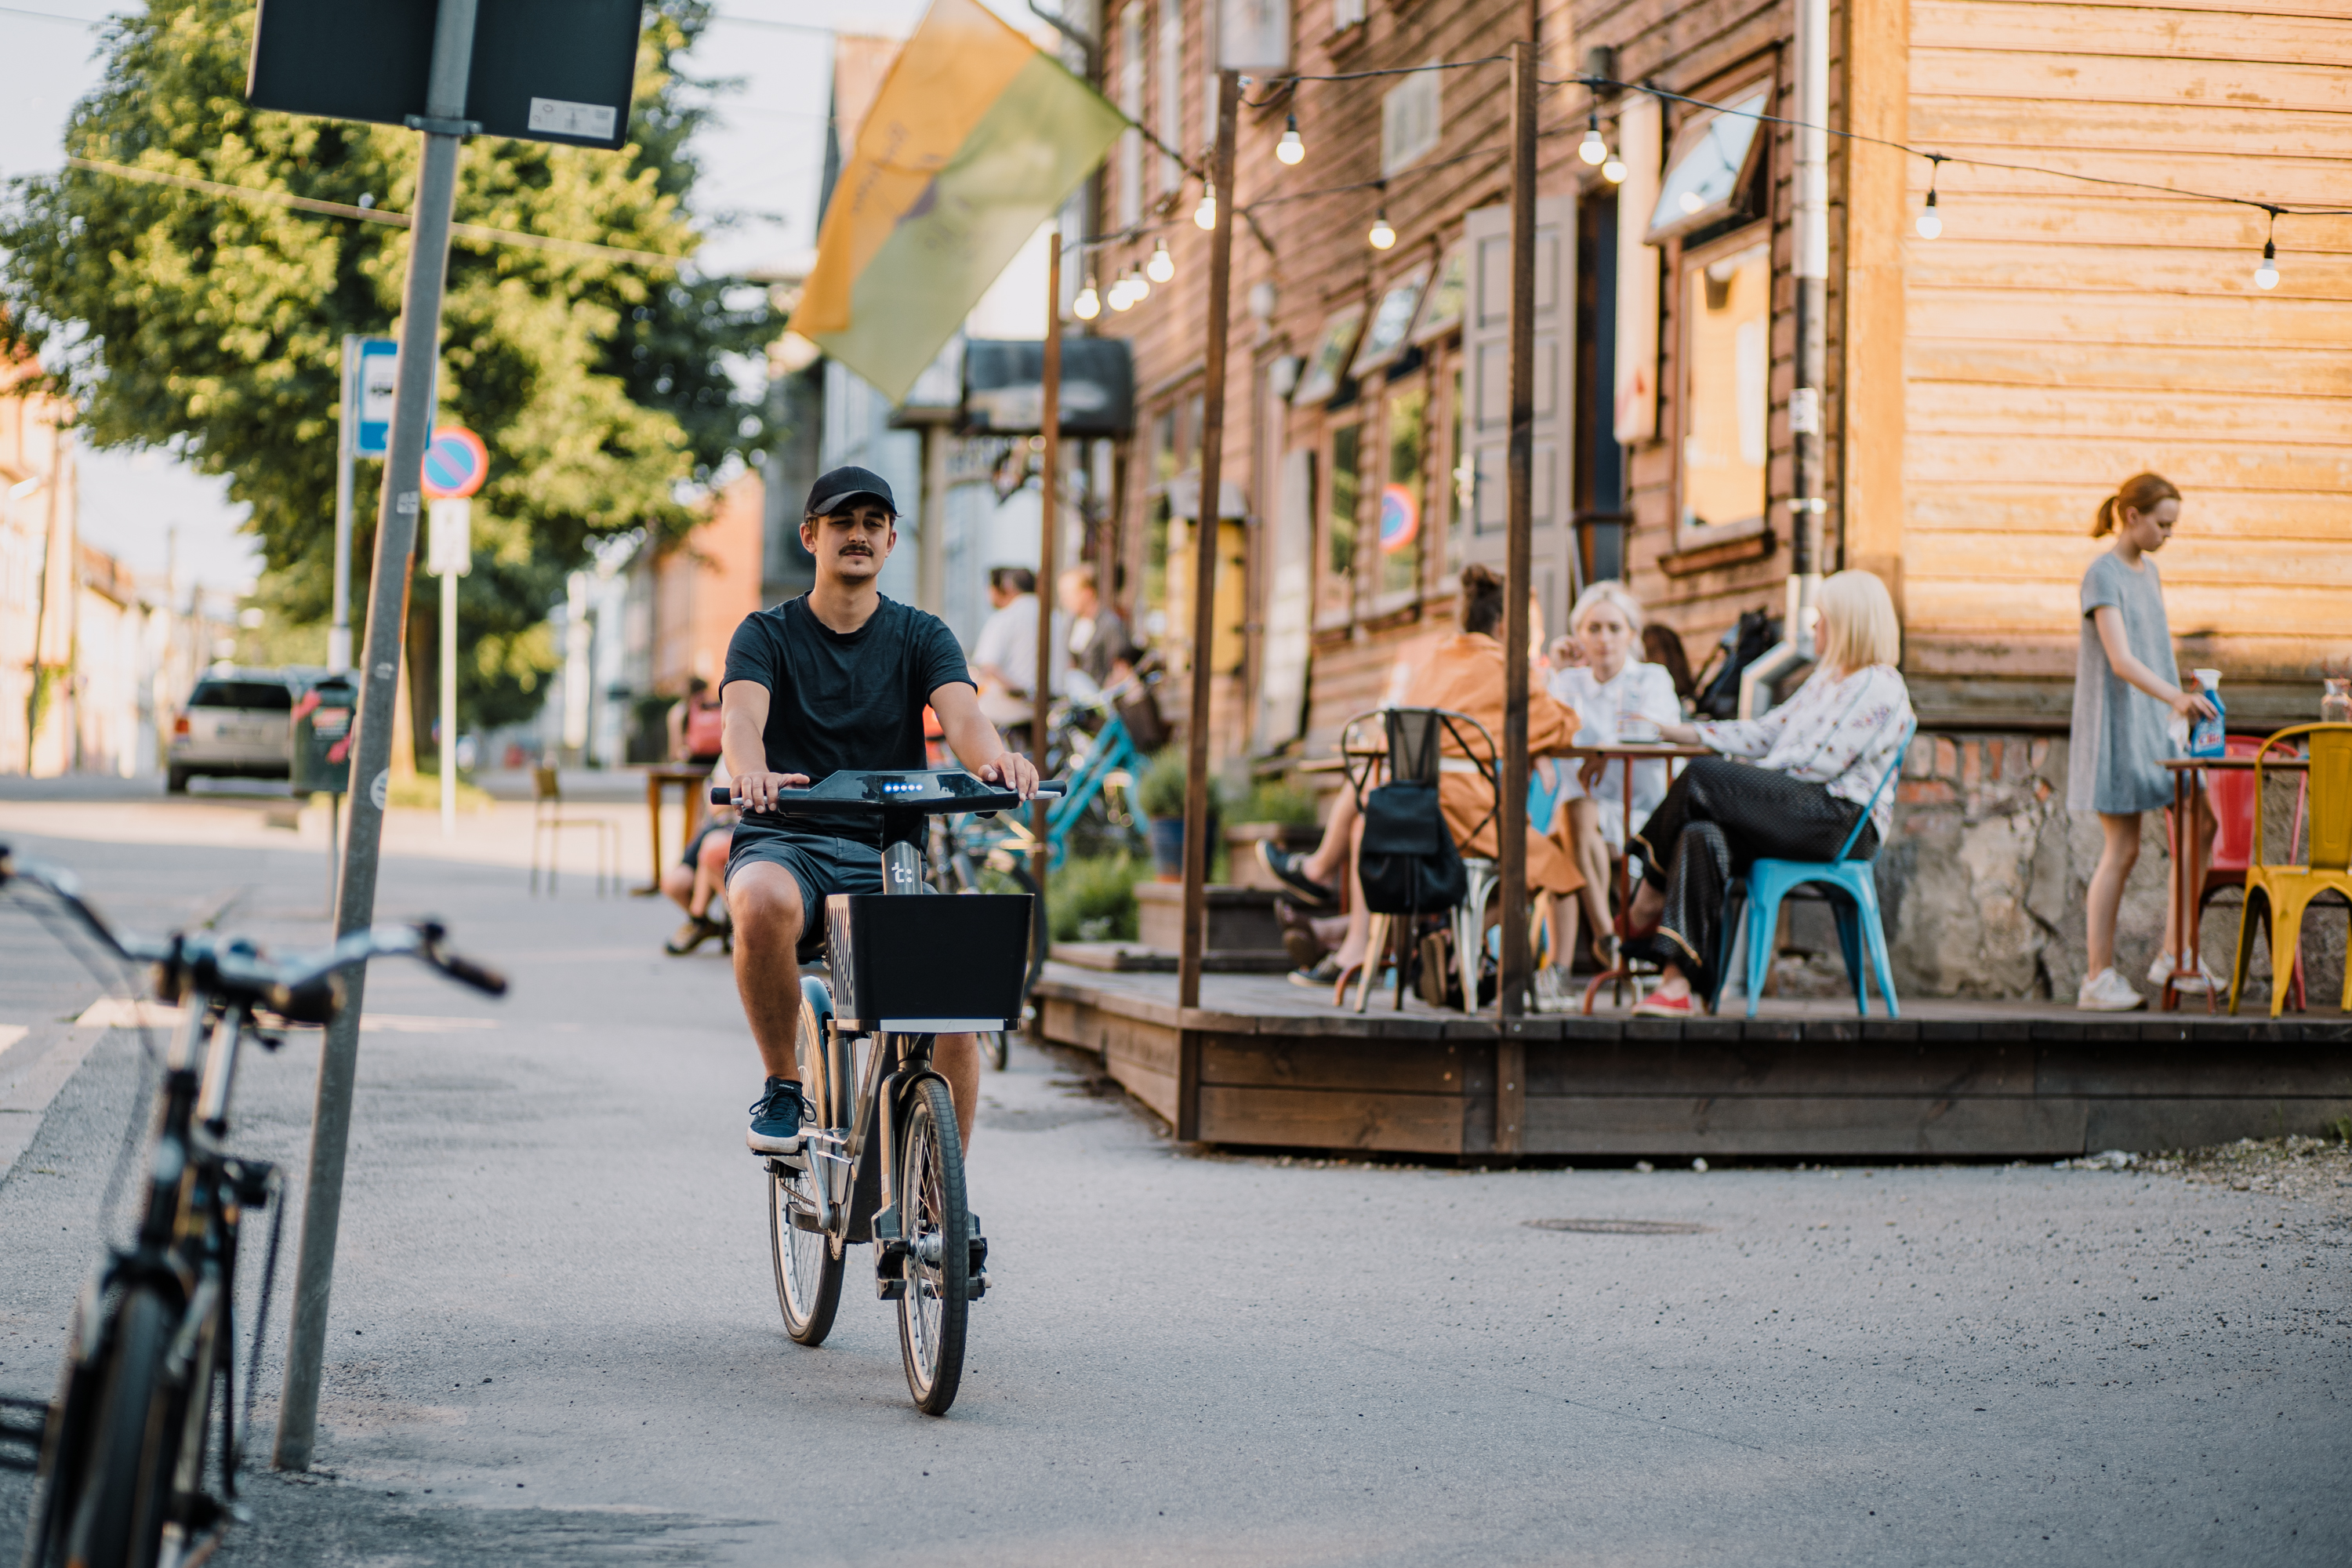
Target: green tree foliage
(597,382)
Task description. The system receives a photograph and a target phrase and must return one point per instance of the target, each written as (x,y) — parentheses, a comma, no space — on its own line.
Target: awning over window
(1384,338)
(1713,154)
(1329,361)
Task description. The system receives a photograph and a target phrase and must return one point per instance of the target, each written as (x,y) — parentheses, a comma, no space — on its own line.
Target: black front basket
(944,964)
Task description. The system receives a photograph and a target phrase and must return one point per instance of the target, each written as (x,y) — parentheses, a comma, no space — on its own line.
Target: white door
(1486,386)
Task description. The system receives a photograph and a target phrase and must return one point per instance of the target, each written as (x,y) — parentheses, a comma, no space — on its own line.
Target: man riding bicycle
(835,678)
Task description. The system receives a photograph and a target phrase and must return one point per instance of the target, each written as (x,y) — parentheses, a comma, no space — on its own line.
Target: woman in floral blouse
(1816,761)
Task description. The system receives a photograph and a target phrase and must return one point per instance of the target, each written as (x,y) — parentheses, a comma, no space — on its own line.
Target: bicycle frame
(853,1157)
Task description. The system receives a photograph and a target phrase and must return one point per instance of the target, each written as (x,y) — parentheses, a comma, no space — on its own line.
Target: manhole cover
(1623,1227)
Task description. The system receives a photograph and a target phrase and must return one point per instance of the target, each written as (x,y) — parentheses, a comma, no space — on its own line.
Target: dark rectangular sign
(543,70)
(1004,386)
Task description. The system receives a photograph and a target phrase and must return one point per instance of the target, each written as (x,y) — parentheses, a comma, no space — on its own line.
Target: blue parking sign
(379,375)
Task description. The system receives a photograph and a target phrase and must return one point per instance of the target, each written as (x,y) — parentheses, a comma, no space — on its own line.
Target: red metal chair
(2236,800)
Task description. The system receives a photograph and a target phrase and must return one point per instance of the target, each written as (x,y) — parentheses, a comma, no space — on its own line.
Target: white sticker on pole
(560,117)
(381,791)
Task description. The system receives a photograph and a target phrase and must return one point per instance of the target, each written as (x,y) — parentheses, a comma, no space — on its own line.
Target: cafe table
(1628,752)
(2184,895)
(658,779)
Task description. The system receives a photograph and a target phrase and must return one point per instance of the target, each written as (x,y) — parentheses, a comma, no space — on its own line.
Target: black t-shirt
(838,701)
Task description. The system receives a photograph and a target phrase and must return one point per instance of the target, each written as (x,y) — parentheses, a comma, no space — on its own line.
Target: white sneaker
(2159,970)
(2108,992)
(1555,992)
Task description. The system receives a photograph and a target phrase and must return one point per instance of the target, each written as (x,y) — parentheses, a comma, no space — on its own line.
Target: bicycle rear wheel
(808,1262)
(118,1515)
(937,1222)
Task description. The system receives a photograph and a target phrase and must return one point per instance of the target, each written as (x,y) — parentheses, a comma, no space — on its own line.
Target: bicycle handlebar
(854,793)
(304,989)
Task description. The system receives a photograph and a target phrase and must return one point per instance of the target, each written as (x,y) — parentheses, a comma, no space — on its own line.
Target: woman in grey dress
(2126,692)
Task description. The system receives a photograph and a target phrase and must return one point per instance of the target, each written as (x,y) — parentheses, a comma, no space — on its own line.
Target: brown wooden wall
(2061,336)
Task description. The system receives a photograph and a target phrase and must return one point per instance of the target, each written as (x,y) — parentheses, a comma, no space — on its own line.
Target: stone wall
(1983,881)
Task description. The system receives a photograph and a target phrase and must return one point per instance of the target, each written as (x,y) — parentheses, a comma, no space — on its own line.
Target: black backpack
(1742,646)
(1408,863)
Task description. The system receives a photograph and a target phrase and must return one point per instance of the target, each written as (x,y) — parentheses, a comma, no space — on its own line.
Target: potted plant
(1161,797)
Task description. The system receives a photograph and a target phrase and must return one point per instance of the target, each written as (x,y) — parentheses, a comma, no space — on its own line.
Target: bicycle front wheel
(937,1223)
(118,1518)
(808,1262)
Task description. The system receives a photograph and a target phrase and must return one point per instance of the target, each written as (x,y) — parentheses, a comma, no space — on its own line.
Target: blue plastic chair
(1858,924)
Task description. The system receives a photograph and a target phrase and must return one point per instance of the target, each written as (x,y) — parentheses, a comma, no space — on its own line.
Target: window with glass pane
(1335,595)
(1726,354)
(1402,497)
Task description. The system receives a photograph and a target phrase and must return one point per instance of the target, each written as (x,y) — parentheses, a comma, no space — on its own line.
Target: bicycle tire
(996,1046)
(935,1219)
(118,1515)
(808,1264)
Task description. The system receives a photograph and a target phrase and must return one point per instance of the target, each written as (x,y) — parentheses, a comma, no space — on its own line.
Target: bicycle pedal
(976,1287)
(889,1289)
(978,1255)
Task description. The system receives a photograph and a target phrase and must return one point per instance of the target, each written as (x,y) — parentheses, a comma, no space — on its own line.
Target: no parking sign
(455,463)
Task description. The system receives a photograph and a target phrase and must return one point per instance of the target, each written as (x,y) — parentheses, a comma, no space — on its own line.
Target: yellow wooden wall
(2061,336)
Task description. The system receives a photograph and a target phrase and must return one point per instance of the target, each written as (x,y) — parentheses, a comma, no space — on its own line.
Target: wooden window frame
(1688,261)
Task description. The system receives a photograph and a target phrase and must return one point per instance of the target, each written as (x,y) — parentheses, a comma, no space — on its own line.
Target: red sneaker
(1658,1005)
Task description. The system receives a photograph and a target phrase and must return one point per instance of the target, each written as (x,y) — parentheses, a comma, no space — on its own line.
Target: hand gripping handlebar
(933,792)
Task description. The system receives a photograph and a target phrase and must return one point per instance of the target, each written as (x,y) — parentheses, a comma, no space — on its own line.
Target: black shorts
(820,862)
(693,856)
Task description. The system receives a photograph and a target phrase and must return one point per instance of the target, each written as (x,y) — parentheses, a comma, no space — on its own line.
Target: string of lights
(1594,150)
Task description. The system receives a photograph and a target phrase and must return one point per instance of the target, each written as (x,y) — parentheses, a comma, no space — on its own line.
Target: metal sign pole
(396,538)
(338,634)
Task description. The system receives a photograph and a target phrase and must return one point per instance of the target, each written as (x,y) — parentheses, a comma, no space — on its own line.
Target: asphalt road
(555,1337)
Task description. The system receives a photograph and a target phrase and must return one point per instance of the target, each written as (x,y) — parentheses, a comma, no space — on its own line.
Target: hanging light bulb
(1594,148)
(2266,275)
(1138,288)
(1931,222)
(1205,215)
(1383,236)
(1613,171)
(1162,267)
(1290,149)
(1121,297)
(1089,304)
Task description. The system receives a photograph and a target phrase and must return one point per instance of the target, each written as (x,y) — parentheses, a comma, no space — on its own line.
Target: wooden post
(1049,537)
(1511,823)
(1205,554)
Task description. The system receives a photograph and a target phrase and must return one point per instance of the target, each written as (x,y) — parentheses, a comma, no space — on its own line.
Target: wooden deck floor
(1263,1062)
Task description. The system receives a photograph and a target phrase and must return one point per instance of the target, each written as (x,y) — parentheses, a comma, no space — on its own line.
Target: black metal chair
(1414,752)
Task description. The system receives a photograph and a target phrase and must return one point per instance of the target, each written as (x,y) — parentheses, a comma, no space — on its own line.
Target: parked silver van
(237,723)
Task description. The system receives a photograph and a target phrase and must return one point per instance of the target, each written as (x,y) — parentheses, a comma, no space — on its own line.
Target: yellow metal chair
(2277,895)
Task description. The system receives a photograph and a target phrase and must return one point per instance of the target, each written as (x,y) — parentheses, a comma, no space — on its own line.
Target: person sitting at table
(1817,761)
(1619,697)
(1465,674)
(697,883)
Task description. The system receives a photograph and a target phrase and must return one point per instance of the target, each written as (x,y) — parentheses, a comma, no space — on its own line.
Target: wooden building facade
(1982,391)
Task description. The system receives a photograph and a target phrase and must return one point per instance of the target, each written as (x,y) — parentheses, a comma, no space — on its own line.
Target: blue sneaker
(776,1117)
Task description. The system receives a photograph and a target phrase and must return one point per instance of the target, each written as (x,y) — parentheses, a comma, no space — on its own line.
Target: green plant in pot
(1161,797)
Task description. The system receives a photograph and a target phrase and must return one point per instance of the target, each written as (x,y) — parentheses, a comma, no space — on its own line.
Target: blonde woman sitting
(1617,696)
(1817,762)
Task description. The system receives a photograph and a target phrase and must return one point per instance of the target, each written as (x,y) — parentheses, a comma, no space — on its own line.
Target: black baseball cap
(826,496)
